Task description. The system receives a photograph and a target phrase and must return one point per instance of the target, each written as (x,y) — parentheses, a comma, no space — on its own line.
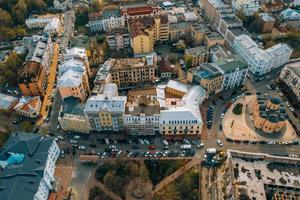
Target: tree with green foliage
(20,11)
(168,193)
(26,126)
(95,6)
(9,69)
(100,38)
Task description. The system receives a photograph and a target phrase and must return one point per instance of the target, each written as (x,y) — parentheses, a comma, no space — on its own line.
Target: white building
(249,7)
(39,21)
(28,165)
(106,20)
(29,106)
(52,27)
(180,116)
(41,51)
(234,70)
(261,61)
(142,112)
(76,52)
(105,111)
(290,75)
(62,4)
(73,79)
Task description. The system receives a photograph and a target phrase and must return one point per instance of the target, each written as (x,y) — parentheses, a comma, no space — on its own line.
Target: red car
(152,147)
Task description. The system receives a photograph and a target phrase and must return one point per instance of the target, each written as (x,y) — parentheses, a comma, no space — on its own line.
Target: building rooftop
(206,71)
(142,101)
(72,106)
(105,14)
(28,103)
(266,17)
(139,25)
(6,101)
(177,85)
(232,20)
(30,72)
(21,179)
(200,50)
(178,26)
(137,9)
(295,67)
(116,31)
(231,63)
(214,36)
(256,175)
(237,31)
(129,63)
(70,78)
(200,27)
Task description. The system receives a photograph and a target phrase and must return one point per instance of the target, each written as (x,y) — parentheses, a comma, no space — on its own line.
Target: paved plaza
(241,127)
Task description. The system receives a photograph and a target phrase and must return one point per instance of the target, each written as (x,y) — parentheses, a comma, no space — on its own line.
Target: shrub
(237,109)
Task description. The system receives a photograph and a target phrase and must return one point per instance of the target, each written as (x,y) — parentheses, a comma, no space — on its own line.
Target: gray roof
(72,105)
(6,101)
(21,181)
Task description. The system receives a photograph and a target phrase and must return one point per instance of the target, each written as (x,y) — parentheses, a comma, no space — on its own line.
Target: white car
(74,141)
(219,143)
(60,137)
(200,145)
(81,147)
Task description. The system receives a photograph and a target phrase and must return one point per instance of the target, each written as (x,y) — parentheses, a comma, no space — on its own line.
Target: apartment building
(234,70)
(195,56)
(73,80)
(290,75)
(145,31)
(213,10)
(71,116)
(266,22)
(39,21)
(213,38)
(180,115)
(139,10)
(208,76)
(105,111)
(259,60)
(142,112)
(28,163)
(41,51)
(118,39)
(130,71)
(225,74)
(106,20)
(103,75)
(32,79)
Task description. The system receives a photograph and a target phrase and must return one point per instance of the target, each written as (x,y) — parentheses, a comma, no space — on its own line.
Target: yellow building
(146,31)
(268,114)
(195,56)
(132,71)
(208,76)
(213,38)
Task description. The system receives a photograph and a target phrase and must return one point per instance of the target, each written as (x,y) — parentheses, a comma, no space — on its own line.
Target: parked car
(82,147)
(219,143)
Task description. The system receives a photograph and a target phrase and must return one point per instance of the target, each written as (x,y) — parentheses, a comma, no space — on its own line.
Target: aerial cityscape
(149,100)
